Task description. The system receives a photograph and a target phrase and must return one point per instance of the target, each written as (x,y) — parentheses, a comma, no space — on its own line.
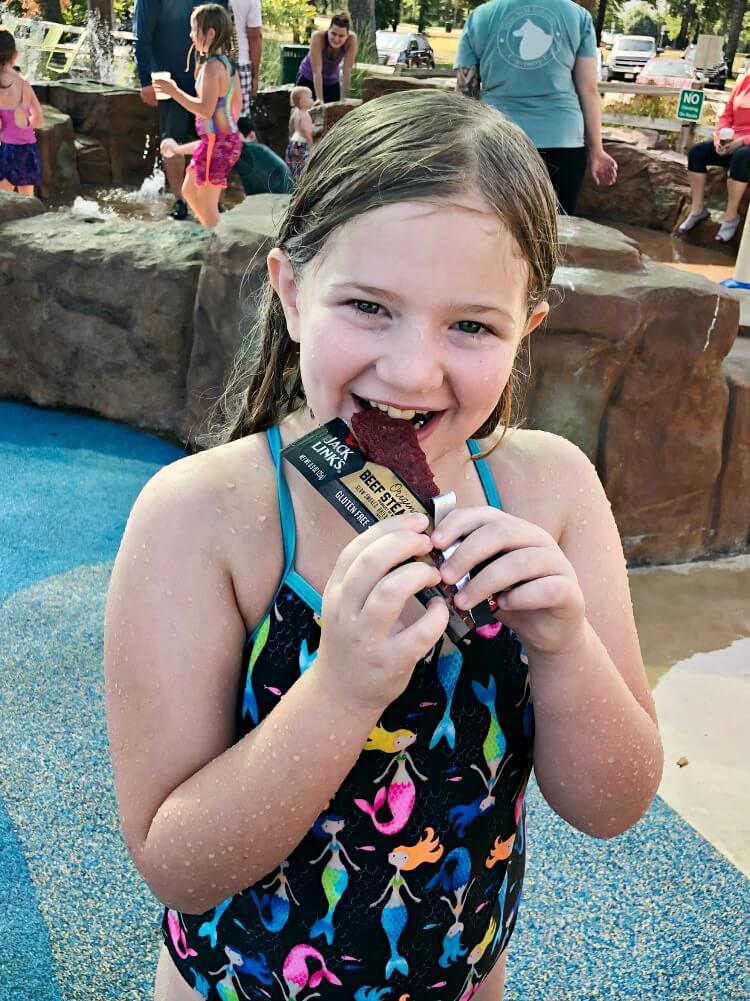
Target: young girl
(216,106)
(325,793)
(20,114)
(300,142)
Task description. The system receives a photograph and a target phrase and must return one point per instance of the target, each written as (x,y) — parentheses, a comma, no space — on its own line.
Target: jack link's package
(365,491)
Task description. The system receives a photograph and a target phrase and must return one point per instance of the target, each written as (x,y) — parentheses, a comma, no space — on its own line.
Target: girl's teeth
(403,415)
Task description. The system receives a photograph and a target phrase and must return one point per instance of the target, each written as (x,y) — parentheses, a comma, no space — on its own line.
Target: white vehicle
(629,55)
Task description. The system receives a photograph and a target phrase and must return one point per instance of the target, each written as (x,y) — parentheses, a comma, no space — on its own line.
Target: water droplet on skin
(230,486)
(261,517)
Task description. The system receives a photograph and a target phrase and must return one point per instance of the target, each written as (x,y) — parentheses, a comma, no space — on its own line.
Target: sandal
(692,220)
(727,230)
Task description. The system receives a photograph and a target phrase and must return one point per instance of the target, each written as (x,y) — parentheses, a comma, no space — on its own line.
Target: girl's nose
(411,362)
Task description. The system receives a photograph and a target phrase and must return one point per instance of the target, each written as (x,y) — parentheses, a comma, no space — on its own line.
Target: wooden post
(687,137)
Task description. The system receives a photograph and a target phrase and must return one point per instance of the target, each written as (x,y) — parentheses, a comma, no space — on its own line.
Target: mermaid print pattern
(401,793)
(408,884)
(273,908)
(335,877)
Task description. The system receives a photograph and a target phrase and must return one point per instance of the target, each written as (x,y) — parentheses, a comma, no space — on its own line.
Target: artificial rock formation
(651,188)
(100,316)
(139,322)
(116,117)
(57,151)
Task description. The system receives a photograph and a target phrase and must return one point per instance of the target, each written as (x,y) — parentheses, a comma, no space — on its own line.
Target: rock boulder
(226,305)
(57,150)
(14,206)
(118,118)
(271,114)
(731,531)
(651,188)
(101,315)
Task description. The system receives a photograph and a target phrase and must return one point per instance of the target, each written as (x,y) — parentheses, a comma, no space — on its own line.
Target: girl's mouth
(421,420)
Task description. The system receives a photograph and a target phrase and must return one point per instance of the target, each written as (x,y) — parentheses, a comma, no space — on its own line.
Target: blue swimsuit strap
(289,527)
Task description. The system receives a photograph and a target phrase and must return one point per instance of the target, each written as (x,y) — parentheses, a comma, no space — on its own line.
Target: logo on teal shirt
(529,37)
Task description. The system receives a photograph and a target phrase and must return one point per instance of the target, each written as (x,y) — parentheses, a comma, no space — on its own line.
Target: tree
(50,10)
(641,19)
(362,13)
(387,14)
(734,30)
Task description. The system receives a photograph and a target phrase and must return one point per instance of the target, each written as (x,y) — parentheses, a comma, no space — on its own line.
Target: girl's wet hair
(212,15)
(7,48)
(414,145)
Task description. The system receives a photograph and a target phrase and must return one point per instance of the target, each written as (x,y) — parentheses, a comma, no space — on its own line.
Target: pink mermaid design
(297,976)
(401,794)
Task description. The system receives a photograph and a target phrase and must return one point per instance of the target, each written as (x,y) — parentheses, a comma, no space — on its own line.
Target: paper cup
(161,75)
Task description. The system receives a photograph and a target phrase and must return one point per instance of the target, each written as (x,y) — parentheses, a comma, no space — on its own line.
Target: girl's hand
(166,87)
(522,565)
(168,147)
(366,653)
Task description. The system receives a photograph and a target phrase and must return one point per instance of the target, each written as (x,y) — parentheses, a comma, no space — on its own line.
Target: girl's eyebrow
(450,307)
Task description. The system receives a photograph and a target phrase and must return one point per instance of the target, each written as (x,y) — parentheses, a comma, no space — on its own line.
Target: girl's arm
(204,817)
(316,58)
(207,91)
(237,97)
(352,44)
(597,752)
(36,115)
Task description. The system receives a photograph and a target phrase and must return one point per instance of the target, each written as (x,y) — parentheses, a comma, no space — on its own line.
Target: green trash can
(291,57)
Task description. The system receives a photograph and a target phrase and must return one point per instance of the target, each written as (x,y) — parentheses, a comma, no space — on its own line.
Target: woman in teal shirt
(536,62)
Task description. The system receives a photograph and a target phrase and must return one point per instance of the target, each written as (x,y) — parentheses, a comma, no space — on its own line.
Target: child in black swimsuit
(325,791)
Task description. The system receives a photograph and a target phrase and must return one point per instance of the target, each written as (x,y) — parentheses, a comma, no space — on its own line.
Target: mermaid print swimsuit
(409,883)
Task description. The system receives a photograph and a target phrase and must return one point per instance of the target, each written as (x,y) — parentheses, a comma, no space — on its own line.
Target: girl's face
(200,41)
(415,306)
(337,36)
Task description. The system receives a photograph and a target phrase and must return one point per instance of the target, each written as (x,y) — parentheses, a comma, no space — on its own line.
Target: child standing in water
(300,142)
(20,114)
(216,107)
(288,724)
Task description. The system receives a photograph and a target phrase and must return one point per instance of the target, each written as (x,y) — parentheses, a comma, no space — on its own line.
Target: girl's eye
(472,327)
(363,306)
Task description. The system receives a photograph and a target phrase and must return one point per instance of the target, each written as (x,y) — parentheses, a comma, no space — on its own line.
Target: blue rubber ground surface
(656,914)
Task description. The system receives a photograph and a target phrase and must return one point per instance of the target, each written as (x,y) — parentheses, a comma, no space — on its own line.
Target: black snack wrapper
(365,493)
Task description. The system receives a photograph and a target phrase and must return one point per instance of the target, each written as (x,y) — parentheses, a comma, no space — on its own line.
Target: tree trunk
(362,13)
(104,9)
(735,29)
(50,10)
(600,16)
(687,17)
(424,13)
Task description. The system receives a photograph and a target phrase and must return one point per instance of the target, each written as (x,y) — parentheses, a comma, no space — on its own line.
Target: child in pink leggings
(216,106)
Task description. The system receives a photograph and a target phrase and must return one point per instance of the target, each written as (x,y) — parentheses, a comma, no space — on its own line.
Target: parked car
(629,55)
(396,48)
(669,73)
(712,76)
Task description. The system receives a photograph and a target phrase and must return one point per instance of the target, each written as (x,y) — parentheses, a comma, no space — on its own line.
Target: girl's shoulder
(539,476)
(220,507)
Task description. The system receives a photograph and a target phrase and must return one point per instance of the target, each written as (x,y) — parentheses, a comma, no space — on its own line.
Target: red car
(669,73)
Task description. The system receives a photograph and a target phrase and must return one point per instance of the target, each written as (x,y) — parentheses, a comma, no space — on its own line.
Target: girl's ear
(541,310)
(282,279)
